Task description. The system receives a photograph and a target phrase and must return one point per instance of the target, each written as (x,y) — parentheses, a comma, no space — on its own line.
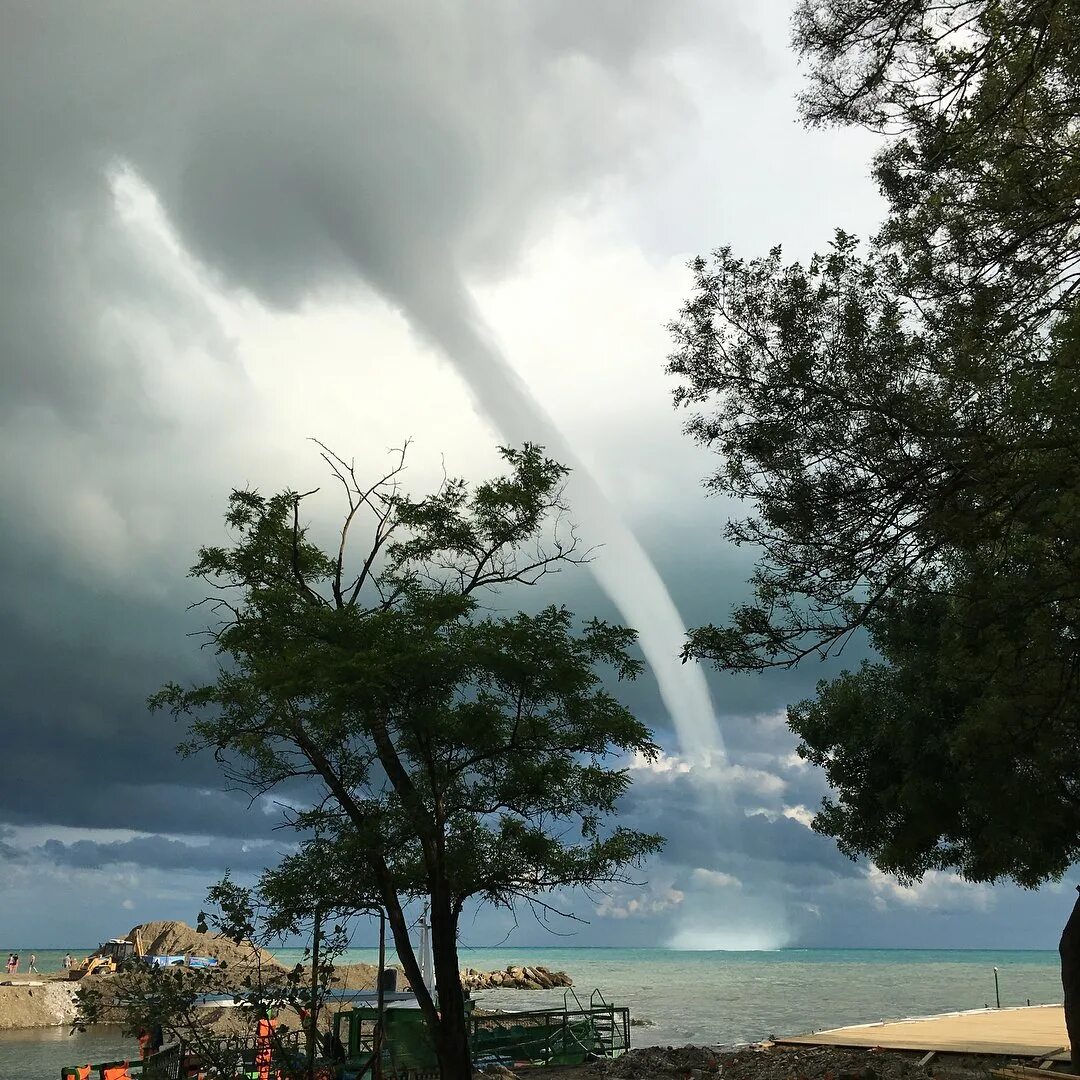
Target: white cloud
(651,901)
(715,879)
(937,891)
(770,722)
(713,770)
(799,813)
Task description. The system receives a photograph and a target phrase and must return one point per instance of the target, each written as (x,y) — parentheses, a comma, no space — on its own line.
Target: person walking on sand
(32,967)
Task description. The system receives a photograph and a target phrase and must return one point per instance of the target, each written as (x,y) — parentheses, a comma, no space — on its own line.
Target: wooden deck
(1036,1031)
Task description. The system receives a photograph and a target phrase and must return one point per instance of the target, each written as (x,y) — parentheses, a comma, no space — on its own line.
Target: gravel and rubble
(772,1062)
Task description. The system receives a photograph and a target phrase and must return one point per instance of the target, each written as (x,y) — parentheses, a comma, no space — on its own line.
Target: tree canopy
(903,418)
(442,751)
(980,172)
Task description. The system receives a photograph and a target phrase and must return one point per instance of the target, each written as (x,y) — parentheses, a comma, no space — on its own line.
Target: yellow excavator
(110,957)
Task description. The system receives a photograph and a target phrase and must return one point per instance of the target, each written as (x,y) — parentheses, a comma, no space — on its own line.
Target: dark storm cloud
(112,802)
(295,145)
(162,853)
(79,744)
(730,821)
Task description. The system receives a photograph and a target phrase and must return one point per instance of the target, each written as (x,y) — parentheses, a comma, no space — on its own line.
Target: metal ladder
(603,1021)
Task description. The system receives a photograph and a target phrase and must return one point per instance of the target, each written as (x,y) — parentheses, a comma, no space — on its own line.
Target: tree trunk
(1069,950)
(452,1041)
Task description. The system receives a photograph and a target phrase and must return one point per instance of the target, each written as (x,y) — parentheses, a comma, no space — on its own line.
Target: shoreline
(711,999)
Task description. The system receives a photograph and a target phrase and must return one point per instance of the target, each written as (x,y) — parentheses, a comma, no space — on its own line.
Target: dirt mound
(170,938)
(361,977)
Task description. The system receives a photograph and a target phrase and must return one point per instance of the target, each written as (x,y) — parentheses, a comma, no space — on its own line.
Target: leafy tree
(980,98)
(882,451)
(451,752)
(904,420)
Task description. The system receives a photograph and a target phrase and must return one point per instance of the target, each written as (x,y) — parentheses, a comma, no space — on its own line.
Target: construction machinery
(111,956)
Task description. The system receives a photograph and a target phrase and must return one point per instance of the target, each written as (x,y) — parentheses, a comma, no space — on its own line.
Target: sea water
(40,1053)
(683,997)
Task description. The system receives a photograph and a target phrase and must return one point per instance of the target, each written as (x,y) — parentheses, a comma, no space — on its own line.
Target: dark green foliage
(981,96)
(912,482)
(904,420)
(451,752)
(956,754)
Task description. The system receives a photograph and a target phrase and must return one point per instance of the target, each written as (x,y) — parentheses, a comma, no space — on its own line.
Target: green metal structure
(566,1036)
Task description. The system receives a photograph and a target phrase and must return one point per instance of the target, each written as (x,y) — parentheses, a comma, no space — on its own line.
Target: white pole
(427,961)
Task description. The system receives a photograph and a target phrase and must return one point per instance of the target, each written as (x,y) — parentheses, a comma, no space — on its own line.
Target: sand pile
(362,977)
(170,938)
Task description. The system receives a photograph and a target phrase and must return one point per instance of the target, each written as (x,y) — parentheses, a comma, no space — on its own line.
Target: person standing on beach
(31,968)
(15,957)
(67,961)
(11,964)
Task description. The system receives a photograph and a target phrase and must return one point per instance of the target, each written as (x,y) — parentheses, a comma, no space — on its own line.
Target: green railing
(554,1037)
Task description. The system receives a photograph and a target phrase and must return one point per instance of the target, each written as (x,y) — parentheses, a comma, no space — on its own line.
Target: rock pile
(515,978)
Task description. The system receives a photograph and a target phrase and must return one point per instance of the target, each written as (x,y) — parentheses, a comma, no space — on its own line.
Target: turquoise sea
(687,997)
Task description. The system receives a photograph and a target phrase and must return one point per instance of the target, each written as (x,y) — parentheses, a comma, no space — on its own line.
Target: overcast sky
(228,228)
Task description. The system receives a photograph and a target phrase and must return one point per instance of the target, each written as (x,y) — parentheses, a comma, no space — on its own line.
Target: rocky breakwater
(515,978)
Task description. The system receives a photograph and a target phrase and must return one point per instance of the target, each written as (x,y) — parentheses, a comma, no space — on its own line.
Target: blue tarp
(190,961)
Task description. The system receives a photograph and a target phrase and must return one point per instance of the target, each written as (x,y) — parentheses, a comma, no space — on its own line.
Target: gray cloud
(162,853)
(294,145)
